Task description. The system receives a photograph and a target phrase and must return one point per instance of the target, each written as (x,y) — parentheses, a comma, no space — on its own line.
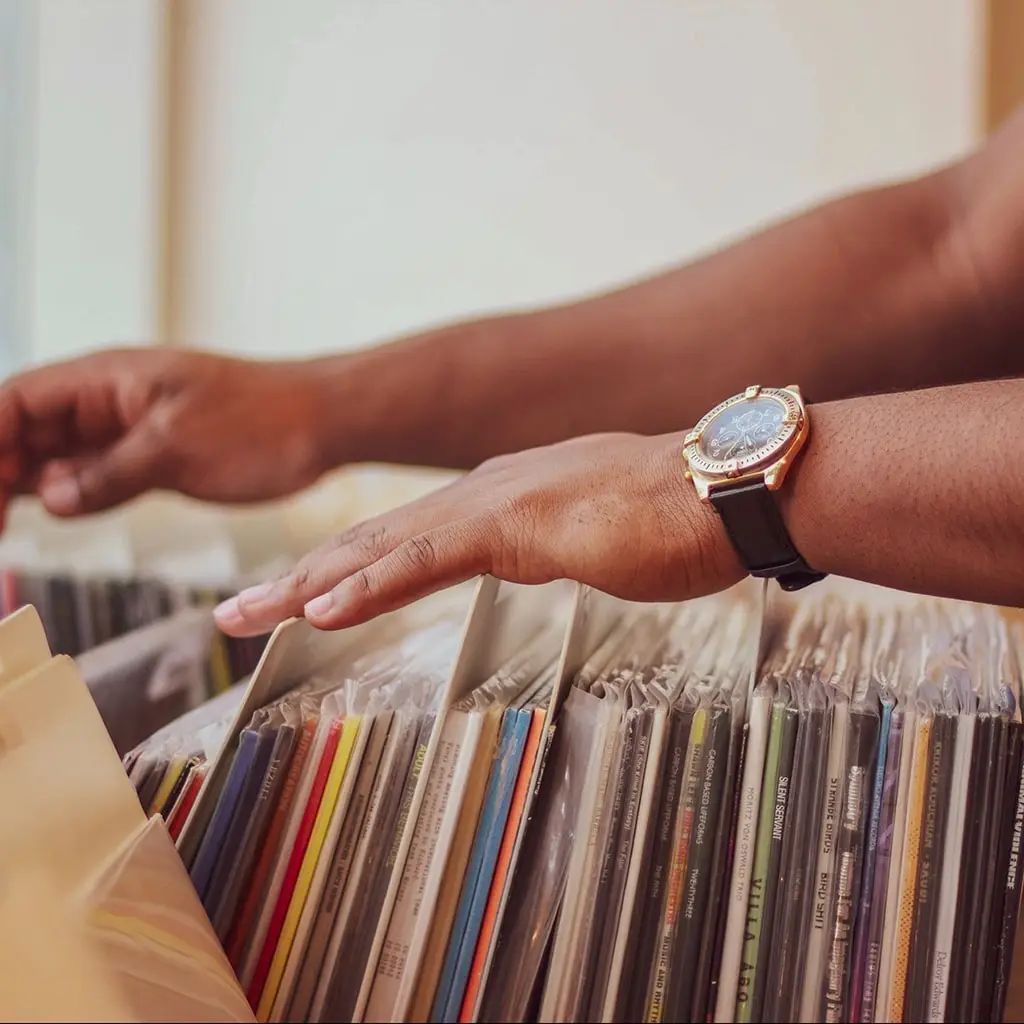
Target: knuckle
(362,585)
(375,543)
(517,514)
(419,555)
(508,533)
(347,536)
(301,580)
(366,541)
(498,463)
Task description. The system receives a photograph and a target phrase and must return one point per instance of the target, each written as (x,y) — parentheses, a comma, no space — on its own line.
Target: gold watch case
(769,463)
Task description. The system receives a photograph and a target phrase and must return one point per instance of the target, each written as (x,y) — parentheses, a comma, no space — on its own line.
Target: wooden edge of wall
(1004,42)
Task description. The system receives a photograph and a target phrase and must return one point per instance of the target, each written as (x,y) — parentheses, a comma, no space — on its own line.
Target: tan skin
(941,513)
(915,285)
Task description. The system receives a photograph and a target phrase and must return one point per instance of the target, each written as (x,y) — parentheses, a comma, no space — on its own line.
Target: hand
(612,510)
(91,433)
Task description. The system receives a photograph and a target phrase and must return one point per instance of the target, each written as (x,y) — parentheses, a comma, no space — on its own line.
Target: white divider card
(295,653)
(594,616)
(514,634)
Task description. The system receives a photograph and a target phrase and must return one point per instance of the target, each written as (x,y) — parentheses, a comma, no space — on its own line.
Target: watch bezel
(777,449)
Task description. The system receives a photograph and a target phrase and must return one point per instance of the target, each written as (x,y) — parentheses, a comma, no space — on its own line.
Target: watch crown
(688,475)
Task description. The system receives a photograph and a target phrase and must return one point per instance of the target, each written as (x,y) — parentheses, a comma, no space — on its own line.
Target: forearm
(875,292)
(920,491)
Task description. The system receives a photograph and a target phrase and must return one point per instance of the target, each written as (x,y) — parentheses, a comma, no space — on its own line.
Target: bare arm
(922,491)
(913,285)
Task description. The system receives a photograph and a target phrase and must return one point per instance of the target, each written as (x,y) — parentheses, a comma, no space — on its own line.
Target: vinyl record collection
(620,821)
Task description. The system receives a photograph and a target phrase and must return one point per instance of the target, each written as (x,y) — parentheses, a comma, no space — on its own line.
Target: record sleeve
(752,999)
(1011,906)
(976,814)
(872,864)
(862,751)
(950,876)
(743,858)
(540,877)
(711,949)
(1001,865)
(680,721)
(696,893)
(794,903)
(340,867)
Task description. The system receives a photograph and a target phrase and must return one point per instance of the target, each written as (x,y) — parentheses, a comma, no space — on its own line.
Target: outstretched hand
(88,434)
(613,511)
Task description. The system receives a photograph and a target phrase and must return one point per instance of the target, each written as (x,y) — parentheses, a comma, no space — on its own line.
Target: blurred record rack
(84,614)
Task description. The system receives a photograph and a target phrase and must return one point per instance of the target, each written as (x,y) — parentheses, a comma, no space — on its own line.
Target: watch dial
(743,429)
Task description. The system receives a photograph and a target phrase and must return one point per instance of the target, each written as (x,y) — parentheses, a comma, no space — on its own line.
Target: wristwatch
(737,456)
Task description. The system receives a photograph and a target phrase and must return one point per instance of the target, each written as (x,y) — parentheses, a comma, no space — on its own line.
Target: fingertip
(10,468)
(229,618)
(253,596)
(320,606)
(335,609)
(61,496)
(322,613)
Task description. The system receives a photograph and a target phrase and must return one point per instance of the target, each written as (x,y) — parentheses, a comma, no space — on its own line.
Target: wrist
(347,418)
(699,548)
(426,400)
(806,500)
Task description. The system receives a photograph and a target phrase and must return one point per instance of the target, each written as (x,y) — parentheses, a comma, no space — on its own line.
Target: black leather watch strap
(754,525)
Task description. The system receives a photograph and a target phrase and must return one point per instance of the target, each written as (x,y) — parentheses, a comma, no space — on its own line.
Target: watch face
(747,431)
(743,430)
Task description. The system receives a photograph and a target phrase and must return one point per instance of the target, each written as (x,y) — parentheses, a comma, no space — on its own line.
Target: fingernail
(254,595)
(62,495)
(319,606)
(227,611)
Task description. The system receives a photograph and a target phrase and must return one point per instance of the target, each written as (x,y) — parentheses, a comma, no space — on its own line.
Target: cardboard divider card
(23,645)
(146,920)
(55,753)
(51,971)
(70,812)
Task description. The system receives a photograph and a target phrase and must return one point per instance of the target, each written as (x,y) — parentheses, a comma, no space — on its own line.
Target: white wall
(358,169)
(93,192)
(15,122)
(345,171)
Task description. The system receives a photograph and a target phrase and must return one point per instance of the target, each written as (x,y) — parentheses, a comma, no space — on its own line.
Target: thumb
(92,483)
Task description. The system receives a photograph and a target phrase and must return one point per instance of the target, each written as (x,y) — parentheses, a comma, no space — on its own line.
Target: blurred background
(271,179)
